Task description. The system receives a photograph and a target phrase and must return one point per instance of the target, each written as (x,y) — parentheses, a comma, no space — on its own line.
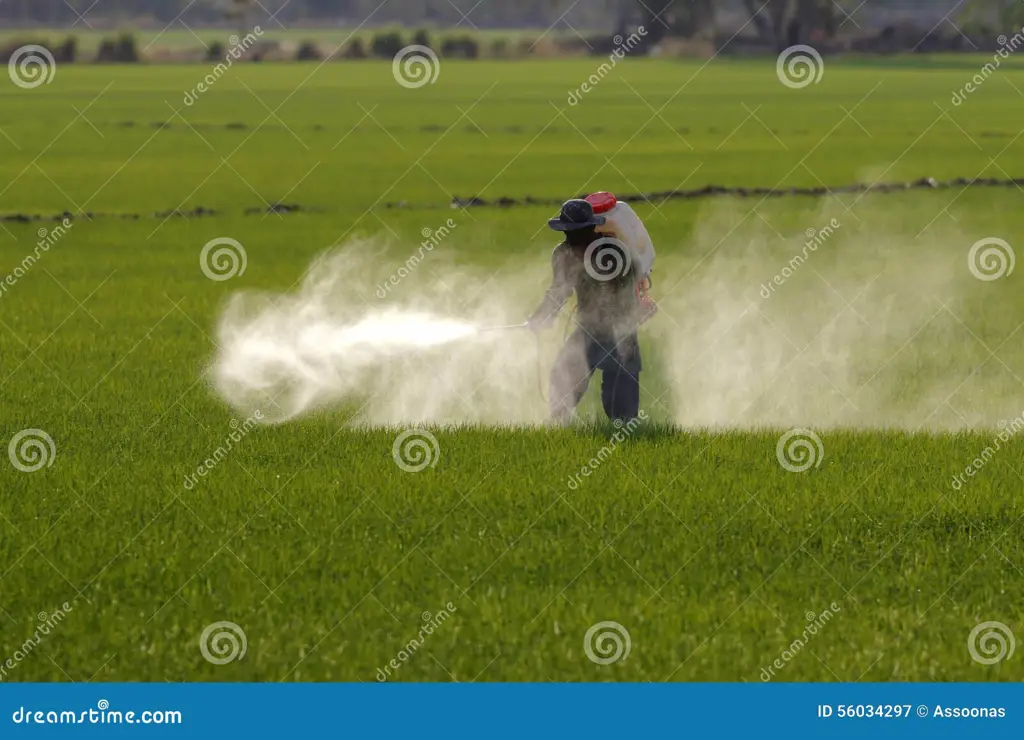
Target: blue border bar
(563,711)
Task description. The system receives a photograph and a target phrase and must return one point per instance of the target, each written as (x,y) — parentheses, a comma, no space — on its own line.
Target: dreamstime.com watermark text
(623,432)
(101,715)
(238,48)
(622,47)
(431,623)
(431,238)
(47,238)
(1007,46)
(815,623)
(238,433)
(47,623)
(1007,430)
(815,238)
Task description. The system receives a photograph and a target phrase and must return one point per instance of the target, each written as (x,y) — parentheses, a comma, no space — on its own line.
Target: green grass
(699,543)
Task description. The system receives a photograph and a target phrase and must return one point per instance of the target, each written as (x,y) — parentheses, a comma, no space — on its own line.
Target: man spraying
(606,259)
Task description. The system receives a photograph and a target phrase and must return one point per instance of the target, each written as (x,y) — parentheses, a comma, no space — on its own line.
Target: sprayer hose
(540,368)
(540,372)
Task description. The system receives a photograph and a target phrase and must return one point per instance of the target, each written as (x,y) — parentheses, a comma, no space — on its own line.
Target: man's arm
(559,292)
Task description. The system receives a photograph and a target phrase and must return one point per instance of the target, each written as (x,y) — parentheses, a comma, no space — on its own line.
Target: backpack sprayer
(622,223)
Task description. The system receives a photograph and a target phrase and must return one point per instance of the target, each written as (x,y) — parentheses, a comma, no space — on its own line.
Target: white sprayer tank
(622,223)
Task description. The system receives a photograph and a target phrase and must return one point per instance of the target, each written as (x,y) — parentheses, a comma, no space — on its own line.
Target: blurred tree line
(490,13)
(780,23)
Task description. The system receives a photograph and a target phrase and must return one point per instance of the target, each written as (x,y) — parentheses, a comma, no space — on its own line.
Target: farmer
(608,315)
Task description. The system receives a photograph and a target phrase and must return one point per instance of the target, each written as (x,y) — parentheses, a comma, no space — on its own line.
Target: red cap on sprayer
(602,201)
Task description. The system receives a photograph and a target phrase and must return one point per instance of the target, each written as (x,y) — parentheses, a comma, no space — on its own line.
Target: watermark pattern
(431,238)
(47,622)
(991,642)
(1007,429)
(607,642)
(238,433)
(622,47)
(234,53)
(1006,47)
(991,258)
(47,238)
(815,622)
(815,238)
(31,66)
(799,66)
(623,432)
(222,259)
(799,449)
(31,450)
(431,623)
(415,450)
(607,258)
(223,642)
(416,66)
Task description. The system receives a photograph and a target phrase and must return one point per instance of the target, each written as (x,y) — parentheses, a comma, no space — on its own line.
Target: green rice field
(711,543)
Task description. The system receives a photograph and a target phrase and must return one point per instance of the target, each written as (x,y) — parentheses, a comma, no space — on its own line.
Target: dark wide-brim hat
(576,214)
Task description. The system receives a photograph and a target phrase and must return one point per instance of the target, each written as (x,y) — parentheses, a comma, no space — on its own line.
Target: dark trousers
(620,367)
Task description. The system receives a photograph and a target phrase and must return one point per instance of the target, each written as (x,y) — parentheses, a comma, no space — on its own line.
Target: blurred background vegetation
(179,30)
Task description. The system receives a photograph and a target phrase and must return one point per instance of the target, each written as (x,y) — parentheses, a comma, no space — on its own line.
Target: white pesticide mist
(862,319)
(845,320)
(416,355)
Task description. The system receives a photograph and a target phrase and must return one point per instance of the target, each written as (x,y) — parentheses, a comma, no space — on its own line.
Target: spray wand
(502,328)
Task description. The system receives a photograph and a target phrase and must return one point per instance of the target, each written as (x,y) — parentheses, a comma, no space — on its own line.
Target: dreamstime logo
(991,642)
(236,52)
(990,259)
(622,433)
(799,66)
(622,47)
(238,432)
(431,238)
(606,643)
(223,263)
(1007,430)
(607,258)
(415,450)
(47,623)
(815,623)
(31,450)
(1007,46)
(223,642)
(799,449)
(416,66)
(815,238)
(431,622)
(47,239)
(31,66)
